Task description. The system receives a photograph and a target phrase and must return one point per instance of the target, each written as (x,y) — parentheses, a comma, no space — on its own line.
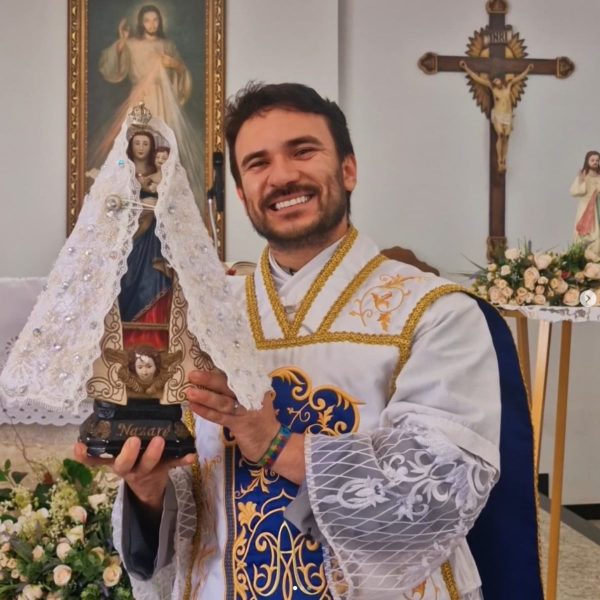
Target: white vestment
(394,379)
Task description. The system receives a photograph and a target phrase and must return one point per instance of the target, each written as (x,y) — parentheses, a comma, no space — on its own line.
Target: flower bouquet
(522,277)
(55,539)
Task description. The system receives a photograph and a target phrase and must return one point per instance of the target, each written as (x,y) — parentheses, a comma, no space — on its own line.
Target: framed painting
(168,54)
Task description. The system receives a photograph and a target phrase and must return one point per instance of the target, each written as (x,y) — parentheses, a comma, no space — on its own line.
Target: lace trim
(317,285)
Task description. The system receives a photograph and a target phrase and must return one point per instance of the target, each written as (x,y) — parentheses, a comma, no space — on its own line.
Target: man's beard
(595,170)
(315,233)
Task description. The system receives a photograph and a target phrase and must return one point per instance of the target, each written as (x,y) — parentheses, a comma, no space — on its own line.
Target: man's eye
(306,151)
(256,164)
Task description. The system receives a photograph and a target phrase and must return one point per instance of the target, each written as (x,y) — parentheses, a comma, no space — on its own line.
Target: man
(502,112)
(585,187)
(362,475)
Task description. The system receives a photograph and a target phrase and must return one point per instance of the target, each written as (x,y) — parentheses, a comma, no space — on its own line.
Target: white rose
(78,514)
(580,277)
(530,276)
(522,292)
(63,549)
(562,286)
(15,574)
(32,592)
(506,293)
(504,270)
(5,547)
(114,559)
(62,575)
(512,254)
(490,276)
(542,280)
(571,297)
(529,298)
(75,534)
(542,261)
(495,295)
(539,299)
(539,289)
(37,553)
(482,290)
(592,270)
(492,267)
(591,255)
(97,500)
(111,575)
(12,563)
(501,283)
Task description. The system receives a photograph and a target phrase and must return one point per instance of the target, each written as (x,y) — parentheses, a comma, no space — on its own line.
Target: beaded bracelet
(274,450)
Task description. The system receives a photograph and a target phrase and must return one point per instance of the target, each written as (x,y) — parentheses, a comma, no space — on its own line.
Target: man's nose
(283,171)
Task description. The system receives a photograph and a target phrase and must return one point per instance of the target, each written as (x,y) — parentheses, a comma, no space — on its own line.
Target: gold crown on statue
(140,116)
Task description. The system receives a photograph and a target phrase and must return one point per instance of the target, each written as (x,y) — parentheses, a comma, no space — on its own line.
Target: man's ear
(240,194)
(349,171)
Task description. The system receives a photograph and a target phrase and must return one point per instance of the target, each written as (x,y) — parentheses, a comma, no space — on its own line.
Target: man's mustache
(287,190)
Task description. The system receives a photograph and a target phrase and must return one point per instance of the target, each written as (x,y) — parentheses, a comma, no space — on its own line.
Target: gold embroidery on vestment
(317,285)
(449,580)
(382,300)
(350,290)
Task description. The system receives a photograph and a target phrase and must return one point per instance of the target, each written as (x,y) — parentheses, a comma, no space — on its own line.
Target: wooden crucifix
(497,66)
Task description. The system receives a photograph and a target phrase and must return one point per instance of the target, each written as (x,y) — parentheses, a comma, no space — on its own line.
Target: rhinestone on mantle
(37,332)
(57,347)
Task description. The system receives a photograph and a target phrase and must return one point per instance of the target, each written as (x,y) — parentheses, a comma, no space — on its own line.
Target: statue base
(108,427)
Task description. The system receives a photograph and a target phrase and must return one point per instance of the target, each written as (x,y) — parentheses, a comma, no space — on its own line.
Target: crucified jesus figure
(502,112)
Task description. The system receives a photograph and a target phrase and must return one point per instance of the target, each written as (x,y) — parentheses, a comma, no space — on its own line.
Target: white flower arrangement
(55,539)
(519,276)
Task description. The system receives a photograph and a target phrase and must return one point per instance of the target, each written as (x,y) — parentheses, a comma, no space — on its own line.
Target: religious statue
(586,188)
(136,300)
(502,111)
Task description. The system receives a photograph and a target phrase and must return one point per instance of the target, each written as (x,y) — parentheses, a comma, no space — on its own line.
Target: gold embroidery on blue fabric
(281,570)
(311,401)
(287,558)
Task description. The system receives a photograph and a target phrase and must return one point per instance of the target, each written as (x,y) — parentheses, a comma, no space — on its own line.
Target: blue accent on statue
(142,285)
(504,539)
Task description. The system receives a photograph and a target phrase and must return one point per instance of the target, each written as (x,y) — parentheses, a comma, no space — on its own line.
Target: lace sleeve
(392,504)
(167,582)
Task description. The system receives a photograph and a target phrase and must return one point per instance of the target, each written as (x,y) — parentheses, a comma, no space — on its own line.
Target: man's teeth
(292,202)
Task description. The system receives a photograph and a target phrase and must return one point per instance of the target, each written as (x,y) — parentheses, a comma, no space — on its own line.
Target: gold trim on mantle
(77,103)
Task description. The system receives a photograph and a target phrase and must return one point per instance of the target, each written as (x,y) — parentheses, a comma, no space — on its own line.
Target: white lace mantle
(52,359)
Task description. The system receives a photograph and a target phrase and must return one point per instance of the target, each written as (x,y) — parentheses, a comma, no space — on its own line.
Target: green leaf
(77,472)
(7,465)
(18,476)
(3,476)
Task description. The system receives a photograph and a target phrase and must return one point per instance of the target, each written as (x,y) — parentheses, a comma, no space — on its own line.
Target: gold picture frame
(96,24)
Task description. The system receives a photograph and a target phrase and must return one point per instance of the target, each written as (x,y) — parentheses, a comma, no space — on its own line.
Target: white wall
(33,121)
(422,148)
(422,143)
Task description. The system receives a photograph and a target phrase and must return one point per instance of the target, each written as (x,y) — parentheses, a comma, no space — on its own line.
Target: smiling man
(361,476)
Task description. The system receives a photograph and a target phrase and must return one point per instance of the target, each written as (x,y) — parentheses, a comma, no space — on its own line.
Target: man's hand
(147,478)
(253,430)
(213,400)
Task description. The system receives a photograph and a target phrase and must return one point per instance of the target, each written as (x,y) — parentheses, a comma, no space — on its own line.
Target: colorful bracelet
(274,450)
